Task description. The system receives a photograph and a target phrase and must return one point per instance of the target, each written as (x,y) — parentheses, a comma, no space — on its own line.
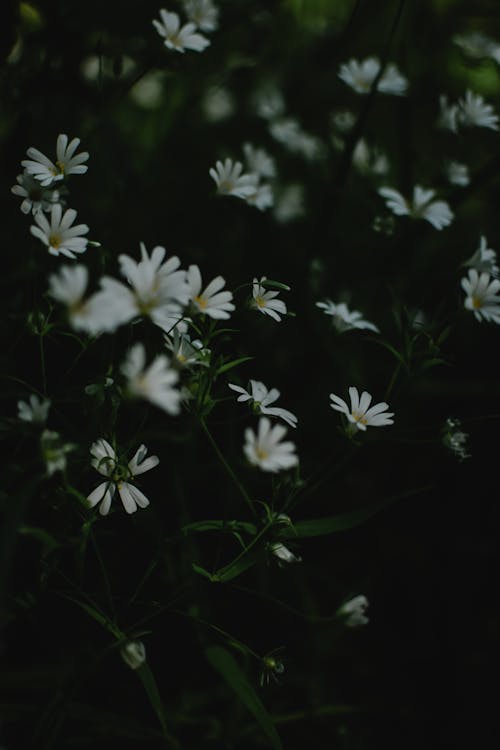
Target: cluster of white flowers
(422,206)
(360,76)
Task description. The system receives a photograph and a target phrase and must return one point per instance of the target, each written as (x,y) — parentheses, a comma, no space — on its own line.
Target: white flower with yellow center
(46,172)
(177,37)
(35,197)
(359,414)
(185,352)
(203,13)
(266,450)
(344,319)
(481,296)
(264,300)
(361,75)
(154,383)
(119,477)
(230,181)
(212,301)
(68,287)
(59,236)
(437,213)
(261,399)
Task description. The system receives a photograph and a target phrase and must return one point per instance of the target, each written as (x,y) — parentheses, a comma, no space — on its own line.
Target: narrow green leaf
(202,572)
(229,365)
(147,678)
(99,617)
(227,666)
(219,525)
(49,543)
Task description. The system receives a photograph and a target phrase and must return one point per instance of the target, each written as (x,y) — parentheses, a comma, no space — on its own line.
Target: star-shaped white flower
(473,111)
(359,414)
(266,450)
(35,197)
(46,172)
(185,352)
(212,301)
(437,213)
(35,411)
(203,13)
(119,477)
(344,319)
(230,181)
(59,236)
(154,383)
(261,398)
(484,259)
(264,300)
(481,296)
(361,75)
(177,37)
(68,287)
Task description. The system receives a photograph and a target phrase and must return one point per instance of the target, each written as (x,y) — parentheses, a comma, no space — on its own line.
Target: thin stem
(42,361)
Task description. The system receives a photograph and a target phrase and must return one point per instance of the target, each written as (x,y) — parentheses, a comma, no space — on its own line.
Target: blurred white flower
(154,383)
(283,554)
(361,75)
(369,160)
(35,197)
(359,414)
(484,259)
(354,612)
(269,102)
(264,300)
(68,286)
(344,319)
(148,91)
(212,301)
(46,172)
(176,37)
(457,173)
(258,161)
(265,448)
(185,352)
(481,296)
(203,13)
(134,654)
(437,213)
(59,236)
(54,451)
(261,398)
(343,120)
(289,203)
(290,134)
(35,411)
(477,45)
(230,181)
(455,439)
(217,103)
(474,112)
(448,115)
(262,197)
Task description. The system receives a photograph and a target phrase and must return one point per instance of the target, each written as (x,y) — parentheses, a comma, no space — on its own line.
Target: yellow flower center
(55,241)
(359,417)
(476,303)
(58,169)
(181,357)
(260,301)
(201,302)
(262,454)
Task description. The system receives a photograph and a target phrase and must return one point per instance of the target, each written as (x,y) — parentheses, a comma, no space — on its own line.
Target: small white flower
(154,384)
(54,451)
(59,236)
(68,286)
(361,75)
(218,104)
(283,554)
(269,102)
(203,13)
(35,411)
(455,439)
(176,37)
(289,203)
(212,301)
(474,112)
(262,197)
(343,120)
(46,172)
(261,398)
(484,259)
(230,181)
(36,198)
(437,213)
(266,450)
(258,161)
(186,353)
(368,160)
(481,296)
(134,654)
(344,319)
(448,115)
(354,612)
(457,173)
(477,45)
(290,134)
(264,300)
(359,414)
(119,477)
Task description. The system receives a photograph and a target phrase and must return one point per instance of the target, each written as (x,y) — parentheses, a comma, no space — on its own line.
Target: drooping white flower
(154,383)
(344,319)
(230,181)
(354,612)
(212,301)
(359,414)
(369,160)
(203,13)
(185,352)
(259,162)
(35,197)
(484,259)
(177,37)
(477,45)
(68,286)
(457,173)
(361,75)
(289,203)
(437,213)
(264,300)
(283,554)
(54,451)
(261,398)
(35,411)
(59,236)
(46,172)
(134,654)
(265,448)
(448,115)
(473,111)
(119,477)
(481,296)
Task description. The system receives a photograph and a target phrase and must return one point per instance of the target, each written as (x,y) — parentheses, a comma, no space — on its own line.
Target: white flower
(186,353)
(154,384)
(437,213)
(288,132)
(176,37)
(474,112)
(261,399)
(477,45)
(344,319)
(46,172)
(484,259)
(36,198)
(457,173)
(68,286)
(264,300)
(261,198)
(218,104)
(230,181)
(359,413)
(59,236)
(212,301)
(481,296)
(54,451)
(202,13)
(354,611)
(36,411)
(448,115)
(283,553)
(455,439)
(118,477)
(290,203)
(369,160)
(265,448)
(343,120)
(269,102)
(361,75)
(134,654)
(258,161)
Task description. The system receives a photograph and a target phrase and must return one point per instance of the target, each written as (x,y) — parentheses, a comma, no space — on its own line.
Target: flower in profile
(68,286)
(481,296)
(359,414)
(203,13)
(59,236)
(35,197)
(437,213)
(457,173)
(35,411)
(119,476)
(360,76)
(261,398)
(133,654)
(283,554)
(266,450)
(353,612)
(230,181)
(212,301)
(177,37)
(264,300)
(344,319)
(455,439)
(46,172)
(54,451)
(484,259)
(448,115)
(473,111)
(185,352)
(154,383)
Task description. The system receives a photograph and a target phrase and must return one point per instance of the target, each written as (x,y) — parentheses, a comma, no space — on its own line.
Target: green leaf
(99,617)
(271,284)
(219,525)
(227,666)
(202,572)
(49,543)
(148,680)
(229,365)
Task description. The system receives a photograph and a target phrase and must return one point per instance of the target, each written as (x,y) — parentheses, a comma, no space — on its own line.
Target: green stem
(42,360)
